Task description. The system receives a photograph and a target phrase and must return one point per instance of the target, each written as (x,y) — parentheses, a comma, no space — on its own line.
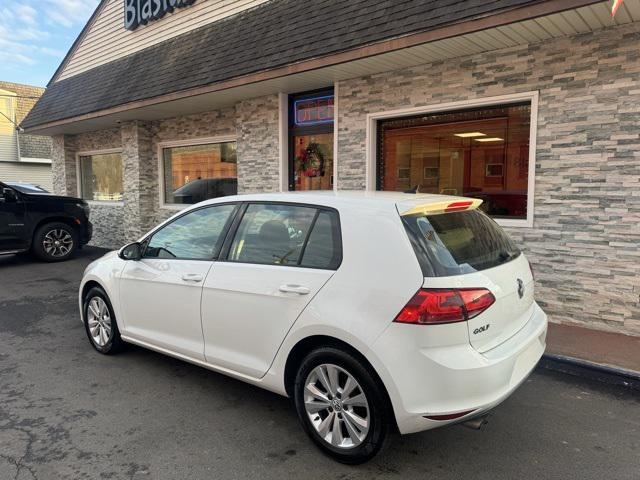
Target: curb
(593,371)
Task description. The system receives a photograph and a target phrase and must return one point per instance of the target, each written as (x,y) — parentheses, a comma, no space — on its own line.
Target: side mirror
(133,251)
(9,195)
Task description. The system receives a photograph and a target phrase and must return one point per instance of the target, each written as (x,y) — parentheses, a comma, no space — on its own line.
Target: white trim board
(533,96)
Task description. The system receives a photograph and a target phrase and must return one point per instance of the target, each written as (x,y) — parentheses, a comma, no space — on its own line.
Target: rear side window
(287,235)
(457,243)
(323,247)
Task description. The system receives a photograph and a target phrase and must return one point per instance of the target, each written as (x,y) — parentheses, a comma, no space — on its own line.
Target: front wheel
(341,405)
(100,322)
(55,242)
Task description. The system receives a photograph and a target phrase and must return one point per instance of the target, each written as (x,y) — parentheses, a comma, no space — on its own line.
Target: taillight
(429,307)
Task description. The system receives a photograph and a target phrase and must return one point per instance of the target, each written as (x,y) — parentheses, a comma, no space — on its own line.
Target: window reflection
(196,173)
(482,153)
(194,236)
(101,177)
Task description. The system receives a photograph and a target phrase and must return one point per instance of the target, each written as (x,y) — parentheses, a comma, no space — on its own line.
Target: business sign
(314,111)
(140,12)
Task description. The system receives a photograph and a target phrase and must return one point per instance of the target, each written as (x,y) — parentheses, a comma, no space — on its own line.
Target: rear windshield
(458,243)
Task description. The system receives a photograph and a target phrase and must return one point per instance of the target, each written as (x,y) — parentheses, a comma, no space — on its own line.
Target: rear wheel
(100,322)
(55,242)
(341,405)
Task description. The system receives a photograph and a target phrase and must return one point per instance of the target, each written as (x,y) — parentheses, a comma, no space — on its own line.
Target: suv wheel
(100,322)
(55,242)
(341,405)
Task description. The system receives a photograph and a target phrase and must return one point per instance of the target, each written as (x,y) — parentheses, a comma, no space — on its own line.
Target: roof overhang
(529,24)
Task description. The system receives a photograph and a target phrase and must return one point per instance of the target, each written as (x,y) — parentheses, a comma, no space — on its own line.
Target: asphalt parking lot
(68,412)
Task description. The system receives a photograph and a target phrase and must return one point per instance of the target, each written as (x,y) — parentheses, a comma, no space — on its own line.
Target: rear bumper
(435,381)
(86,233)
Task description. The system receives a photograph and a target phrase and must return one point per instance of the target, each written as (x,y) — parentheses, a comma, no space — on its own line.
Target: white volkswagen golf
(375,312)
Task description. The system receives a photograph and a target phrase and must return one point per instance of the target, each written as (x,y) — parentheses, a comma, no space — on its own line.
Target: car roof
(347,198)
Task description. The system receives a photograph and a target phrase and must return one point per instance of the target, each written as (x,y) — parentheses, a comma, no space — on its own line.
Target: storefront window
(313,161)
(480,153)
(101,177)
(311,142)
(199,172)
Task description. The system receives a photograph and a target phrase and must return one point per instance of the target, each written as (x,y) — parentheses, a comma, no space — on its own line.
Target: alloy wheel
(57,243)
(99,321)
(336,406)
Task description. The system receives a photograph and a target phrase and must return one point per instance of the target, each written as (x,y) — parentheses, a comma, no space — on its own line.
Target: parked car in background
(376,312)
(201,189)
(33,220)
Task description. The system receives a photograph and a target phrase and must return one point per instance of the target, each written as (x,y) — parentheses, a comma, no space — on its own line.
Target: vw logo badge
(520,288)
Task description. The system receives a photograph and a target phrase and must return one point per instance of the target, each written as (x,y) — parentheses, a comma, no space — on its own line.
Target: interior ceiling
(571,22)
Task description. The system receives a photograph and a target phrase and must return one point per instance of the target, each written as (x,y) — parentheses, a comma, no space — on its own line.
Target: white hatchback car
(376,312)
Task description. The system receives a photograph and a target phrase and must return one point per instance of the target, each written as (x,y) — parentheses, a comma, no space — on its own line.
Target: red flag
(616,6)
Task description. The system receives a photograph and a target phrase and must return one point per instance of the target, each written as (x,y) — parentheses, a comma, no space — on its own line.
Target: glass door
(311,141)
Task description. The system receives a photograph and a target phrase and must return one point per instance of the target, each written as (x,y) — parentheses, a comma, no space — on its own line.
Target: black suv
(53,227)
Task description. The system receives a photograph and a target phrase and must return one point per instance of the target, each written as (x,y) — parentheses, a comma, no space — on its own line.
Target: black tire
(380,413)
(49,232)
(114,342)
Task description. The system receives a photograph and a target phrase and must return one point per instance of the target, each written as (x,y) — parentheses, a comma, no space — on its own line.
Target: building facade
(530,105)
(23,157)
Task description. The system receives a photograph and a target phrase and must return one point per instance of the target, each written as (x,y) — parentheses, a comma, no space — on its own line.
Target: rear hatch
(459,247)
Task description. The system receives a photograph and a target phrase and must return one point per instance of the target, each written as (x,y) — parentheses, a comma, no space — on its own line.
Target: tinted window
(458,243)
(272,234)
(194,236)
(323,247)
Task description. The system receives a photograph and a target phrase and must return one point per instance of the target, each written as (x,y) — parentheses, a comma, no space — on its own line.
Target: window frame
(372,144)
(337,234)
(225,232)
(193,142)
(90,153)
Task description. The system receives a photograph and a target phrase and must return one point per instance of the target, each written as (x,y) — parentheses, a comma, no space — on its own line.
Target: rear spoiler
(437,208)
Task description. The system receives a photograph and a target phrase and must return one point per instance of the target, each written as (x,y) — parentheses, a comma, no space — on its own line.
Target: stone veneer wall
(585,244)
(107,219)
(258,145)
(253,122)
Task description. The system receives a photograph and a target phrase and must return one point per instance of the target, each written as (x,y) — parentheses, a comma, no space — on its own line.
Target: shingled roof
(274,34)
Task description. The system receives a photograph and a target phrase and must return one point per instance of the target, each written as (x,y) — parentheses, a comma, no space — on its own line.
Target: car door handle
(192,277)
(299,289)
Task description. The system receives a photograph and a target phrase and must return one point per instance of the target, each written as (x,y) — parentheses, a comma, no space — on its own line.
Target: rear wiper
(506,256)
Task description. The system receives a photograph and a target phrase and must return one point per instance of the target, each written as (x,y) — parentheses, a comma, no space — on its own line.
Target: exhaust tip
(476,423)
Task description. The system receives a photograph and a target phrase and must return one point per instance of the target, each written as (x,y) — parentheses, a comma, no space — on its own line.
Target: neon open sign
(313,111)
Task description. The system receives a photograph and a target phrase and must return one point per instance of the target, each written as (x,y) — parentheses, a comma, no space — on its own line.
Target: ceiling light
(490,139)
(470,134)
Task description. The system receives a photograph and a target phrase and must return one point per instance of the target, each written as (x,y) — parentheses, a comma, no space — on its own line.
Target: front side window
(199,172)
(481,153)
(198,235)
(101,177)
(288,235)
